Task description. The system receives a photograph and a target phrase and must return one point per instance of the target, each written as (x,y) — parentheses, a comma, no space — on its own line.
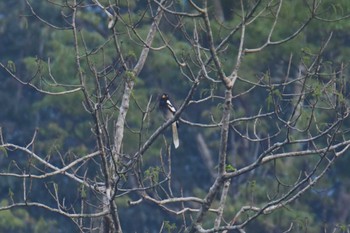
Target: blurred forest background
(34,51)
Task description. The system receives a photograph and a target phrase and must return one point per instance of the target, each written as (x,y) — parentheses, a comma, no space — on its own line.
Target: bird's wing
(170,106)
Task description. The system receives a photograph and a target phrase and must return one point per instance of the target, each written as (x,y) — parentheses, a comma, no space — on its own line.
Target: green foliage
(3,151)
(343,228)
(11,194)
(36,67)
(169,227)
(130,75)
(43,226)
(152,174)
(13,220)
(11,66)
(273,98)
(123,202)
(230,168)
(55,137)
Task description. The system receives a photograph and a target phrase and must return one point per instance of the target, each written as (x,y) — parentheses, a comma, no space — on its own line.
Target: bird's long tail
(175,135)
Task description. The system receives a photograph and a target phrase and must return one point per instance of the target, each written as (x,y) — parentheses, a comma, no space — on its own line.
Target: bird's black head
(162,100)
(164,96)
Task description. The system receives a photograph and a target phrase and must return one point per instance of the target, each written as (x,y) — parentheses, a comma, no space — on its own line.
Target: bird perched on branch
(168,111)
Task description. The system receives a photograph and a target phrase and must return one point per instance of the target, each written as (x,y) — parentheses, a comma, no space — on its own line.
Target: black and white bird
(168,111)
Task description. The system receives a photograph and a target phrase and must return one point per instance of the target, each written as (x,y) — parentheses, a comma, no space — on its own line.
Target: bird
(168,111)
